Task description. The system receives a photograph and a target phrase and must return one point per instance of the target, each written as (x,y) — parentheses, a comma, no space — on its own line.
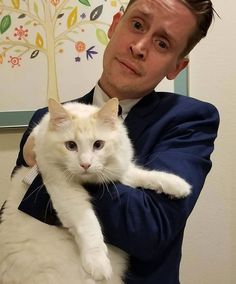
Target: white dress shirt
(100,98)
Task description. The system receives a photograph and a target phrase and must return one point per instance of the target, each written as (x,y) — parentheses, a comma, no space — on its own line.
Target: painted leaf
(36,8)
(39,40)
(85,2)
(28,22)
(1,59)
(16,3)
(96,13)
(90,52)
(68,8)
(102,36)
(72,18)
(21,16)
(34,54)
(60,15)
(5,23)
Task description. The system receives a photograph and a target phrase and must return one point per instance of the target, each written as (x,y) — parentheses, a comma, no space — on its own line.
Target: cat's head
(83,142)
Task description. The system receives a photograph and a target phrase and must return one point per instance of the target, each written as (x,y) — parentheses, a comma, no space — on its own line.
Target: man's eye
(160,44)
(99,144)
(71,146)
(137,25)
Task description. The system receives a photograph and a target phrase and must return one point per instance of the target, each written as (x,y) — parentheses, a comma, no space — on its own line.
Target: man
(169,132)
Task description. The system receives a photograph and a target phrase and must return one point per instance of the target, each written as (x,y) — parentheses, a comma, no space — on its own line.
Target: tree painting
(32,28)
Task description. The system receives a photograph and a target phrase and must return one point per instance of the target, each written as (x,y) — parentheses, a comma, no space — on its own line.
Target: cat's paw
(97,264)
(176,186)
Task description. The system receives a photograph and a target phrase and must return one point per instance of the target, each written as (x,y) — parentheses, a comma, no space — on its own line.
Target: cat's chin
(87,177)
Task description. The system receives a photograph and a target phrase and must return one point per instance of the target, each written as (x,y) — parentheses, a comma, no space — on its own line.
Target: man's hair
(204,13)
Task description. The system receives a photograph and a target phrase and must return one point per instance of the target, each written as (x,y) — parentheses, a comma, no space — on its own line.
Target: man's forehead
(149,6)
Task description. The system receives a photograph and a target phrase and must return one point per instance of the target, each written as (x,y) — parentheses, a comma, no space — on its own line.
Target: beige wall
(210,240)
(209,253)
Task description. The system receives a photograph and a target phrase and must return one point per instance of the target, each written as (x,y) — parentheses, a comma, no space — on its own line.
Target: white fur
(33,252)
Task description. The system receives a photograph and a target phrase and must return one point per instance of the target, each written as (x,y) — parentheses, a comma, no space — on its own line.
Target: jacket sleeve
(142,222)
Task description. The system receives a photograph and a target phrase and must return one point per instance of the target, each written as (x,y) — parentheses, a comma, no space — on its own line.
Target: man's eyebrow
(164,33)
(145,13)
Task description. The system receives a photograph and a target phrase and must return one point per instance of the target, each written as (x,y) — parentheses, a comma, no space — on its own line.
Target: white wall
(210,240)
(209,252)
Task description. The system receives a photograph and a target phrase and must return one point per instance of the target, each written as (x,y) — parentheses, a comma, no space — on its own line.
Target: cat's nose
(85,166)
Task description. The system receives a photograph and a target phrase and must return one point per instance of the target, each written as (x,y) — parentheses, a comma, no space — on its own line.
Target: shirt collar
(100,98)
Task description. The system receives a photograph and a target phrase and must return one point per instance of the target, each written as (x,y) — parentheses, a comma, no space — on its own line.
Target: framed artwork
(53,49)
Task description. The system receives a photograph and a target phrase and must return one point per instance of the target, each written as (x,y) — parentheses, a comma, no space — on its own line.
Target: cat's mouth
(86,174)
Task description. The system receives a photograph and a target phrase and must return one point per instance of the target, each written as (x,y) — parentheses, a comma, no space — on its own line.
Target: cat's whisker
(112,173)
(104,187)
(117,191)
(35,190)
(108,179)
(49,204)
(39,188)
(104,184)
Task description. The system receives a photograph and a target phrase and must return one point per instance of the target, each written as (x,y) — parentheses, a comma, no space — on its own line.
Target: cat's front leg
(93,250)
(156,180)
(76,213)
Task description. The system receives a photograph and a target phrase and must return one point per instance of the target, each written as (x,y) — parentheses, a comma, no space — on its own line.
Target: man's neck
(100,97)
(113,92)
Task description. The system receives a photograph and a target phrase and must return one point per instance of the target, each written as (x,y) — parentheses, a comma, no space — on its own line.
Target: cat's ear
(109,112)
(58,114)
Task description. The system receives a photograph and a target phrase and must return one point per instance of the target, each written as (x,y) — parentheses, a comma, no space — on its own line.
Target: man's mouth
(129,66)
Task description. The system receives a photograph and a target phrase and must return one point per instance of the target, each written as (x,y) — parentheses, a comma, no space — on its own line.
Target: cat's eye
(71,145)
(98,144)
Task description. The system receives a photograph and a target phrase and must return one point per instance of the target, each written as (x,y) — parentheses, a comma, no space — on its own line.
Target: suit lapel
(87,99)
(141,115)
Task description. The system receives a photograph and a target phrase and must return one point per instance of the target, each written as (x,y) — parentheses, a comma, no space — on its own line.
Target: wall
(209,253)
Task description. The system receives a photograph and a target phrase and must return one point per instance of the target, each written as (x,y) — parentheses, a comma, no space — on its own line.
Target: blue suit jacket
(169,132)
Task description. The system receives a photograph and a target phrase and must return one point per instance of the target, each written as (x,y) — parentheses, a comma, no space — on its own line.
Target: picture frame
(54,48)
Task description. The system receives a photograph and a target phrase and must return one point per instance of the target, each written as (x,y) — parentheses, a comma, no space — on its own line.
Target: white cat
(74,143)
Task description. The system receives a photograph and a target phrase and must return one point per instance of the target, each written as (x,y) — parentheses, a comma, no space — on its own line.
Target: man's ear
(115,21)
(182,63)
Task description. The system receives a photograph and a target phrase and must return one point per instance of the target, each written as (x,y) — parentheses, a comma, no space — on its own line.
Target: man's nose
(139,49)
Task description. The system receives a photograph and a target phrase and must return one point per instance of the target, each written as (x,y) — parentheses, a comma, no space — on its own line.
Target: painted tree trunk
(52,88)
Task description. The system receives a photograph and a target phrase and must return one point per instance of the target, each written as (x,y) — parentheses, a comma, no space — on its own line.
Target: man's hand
(28,151)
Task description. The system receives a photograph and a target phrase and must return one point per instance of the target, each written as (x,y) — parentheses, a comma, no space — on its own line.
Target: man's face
(145,46)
